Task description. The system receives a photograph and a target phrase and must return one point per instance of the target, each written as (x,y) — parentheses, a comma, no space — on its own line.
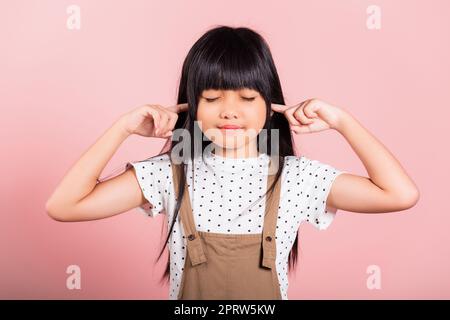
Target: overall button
(269,238)
(191,237)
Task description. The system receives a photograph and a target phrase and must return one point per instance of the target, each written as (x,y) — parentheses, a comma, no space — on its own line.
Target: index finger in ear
(278,107)
(179,107)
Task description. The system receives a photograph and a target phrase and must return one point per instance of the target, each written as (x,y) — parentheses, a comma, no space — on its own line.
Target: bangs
(228,64)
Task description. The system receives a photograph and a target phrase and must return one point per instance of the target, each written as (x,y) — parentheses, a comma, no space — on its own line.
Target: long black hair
(226,58)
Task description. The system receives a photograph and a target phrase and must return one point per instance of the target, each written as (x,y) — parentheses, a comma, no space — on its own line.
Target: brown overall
(229,266)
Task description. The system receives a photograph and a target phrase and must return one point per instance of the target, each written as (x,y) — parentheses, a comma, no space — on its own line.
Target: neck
(245,151)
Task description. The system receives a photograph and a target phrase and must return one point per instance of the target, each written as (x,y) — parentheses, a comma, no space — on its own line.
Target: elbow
(410,199)
(54,213)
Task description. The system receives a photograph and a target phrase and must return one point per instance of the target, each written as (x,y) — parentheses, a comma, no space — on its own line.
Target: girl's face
(243,108)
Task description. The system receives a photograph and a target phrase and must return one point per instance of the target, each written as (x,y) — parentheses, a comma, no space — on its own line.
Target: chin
(228,145)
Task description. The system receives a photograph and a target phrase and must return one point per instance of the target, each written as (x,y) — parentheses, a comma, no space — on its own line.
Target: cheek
(205,117)
(257,117)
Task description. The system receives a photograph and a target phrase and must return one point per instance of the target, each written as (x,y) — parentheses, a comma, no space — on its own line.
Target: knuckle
(145,107)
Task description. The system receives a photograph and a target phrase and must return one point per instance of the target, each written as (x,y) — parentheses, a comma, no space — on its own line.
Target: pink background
(60,89)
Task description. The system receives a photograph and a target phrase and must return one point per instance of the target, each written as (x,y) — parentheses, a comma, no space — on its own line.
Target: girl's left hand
(312,115)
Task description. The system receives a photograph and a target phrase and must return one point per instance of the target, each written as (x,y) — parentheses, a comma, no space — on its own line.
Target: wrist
(120,127)
(343,120)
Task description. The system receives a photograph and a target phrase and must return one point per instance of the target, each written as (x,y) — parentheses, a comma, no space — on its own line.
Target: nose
(228,114)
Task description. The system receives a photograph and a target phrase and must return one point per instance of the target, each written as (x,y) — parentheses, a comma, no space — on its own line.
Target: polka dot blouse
(224,199)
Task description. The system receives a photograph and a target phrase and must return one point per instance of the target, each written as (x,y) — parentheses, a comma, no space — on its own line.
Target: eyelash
(246,99)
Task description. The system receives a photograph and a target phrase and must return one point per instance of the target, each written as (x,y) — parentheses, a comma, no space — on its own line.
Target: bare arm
(388,187)
(79,197)
(121,193)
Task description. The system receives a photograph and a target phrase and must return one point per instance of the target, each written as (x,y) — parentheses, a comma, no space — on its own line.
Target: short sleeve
(153,175)
(314,180)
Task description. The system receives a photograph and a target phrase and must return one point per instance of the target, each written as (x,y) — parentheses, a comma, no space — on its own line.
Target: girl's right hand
(153,120)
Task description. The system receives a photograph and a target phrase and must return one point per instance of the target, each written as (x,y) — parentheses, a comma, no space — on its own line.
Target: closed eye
(244,98)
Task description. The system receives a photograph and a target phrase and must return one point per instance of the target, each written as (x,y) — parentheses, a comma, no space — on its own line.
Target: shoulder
(297,164)
(153,175)
(295,161)
(158,159)
(308,182)
(156,168)
(160,162)
(306,171)
(308,165)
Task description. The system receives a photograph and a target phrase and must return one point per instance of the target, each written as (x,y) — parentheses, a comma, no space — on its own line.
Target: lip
(230,127)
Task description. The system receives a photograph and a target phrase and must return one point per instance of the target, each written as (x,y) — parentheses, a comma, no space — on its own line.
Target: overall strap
(193,241)
(270,222)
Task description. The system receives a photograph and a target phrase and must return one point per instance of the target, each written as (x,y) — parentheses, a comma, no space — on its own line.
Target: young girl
(232,220)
